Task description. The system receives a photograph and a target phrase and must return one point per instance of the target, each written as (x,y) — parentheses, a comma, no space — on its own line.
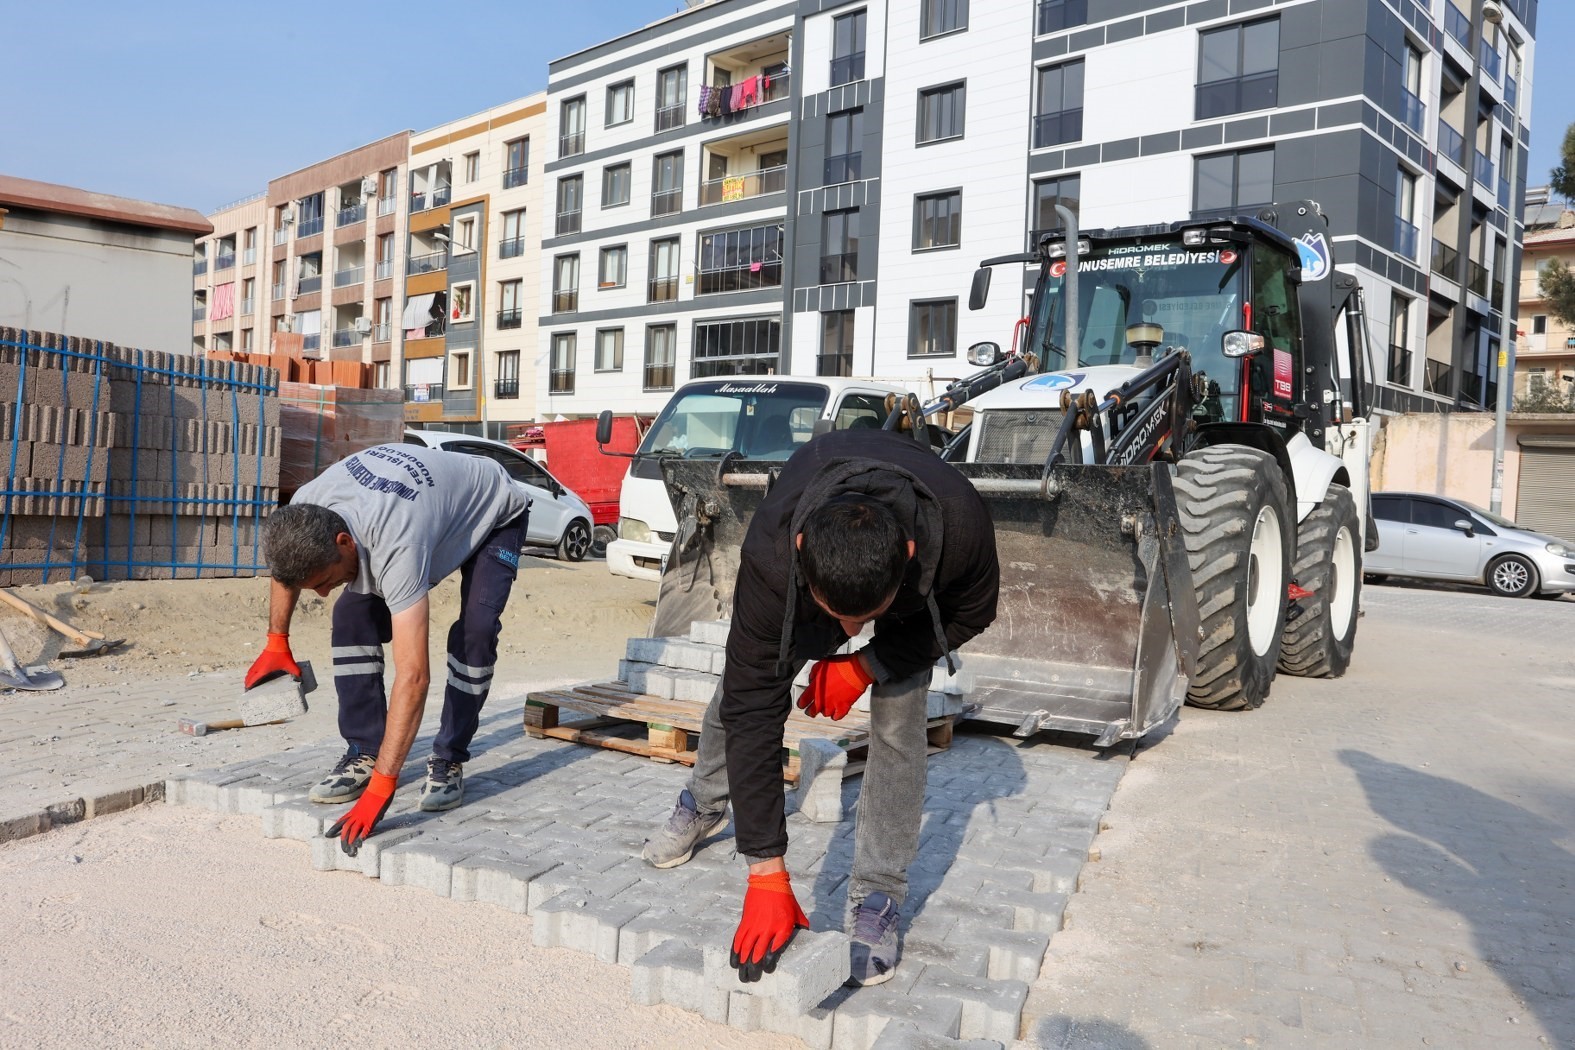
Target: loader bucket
(1097,627)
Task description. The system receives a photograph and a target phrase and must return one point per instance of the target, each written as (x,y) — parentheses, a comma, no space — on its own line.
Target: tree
(1544,399)
(1563,177)
(1556,284)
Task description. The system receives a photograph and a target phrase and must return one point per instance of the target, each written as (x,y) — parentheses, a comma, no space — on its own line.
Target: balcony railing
(422,393)
(1051,129)
(428,263)
(742,187)
(572,144)
(568,222)
(658,377)
(847,69)
(1220,98)
(1438,378)
(199,266)
(249,256)
(561,381)
(425,200)
(224,262)
(670,117)
(836,269)
(306,285)
(1399,365)
(1451,143)
(1457,24)
(667,202)
(781,86)
(312,342)
(741,278)
(1056,15)
(844,167)
(505,389)
(347,337)
(511,247)
(662,290)
(247,306)
(309,227)
(1446,261)
(565,300)
(1477,277)
(512,318)
(385,270)
(281,235)
(1413,111)
(199,313)
(513,177)
(349,275)
(382,333)
(1405,238)
(279,291)
(386,205)
(1482,169)
(1492,63)
(353,214)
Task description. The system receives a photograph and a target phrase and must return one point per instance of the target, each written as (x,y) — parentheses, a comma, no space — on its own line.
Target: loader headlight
(634,530)
(1558,550)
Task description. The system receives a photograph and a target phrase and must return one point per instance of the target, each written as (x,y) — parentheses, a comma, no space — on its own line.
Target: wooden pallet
(616,717)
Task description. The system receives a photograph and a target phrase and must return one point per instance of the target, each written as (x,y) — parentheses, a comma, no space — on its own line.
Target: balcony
(838,269)
(1446,261)
(1399,366)
(566,300)
(743,277)
(742,187)
(511,247)
(310,227)
(199,267)
(426,200)
(312,342)
(353,214)
(307,285)
(199,313)
(1413,111)
(560,381)
(279,291)
(1405,238)
(1457,24)
(734,100)
(513,177)
(572,144)
(421,393)
(567,222)
(247,306)
(1492,63)
(382,333)
(225,262)
(1477,277)
(281,235)
(670,117)
(1451,144)
(847,69)
(249,256)
(512,318)
(385,270)
(349,275)
(662,290)
(428,263)
(386,205)
(1438,377)
(667,202)
(347,337)
(1482,169)
(505,389)
(1052,129)
(844,167)
(1056,15)
(780,87)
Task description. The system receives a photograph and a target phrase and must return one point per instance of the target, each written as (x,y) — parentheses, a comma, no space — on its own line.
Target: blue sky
(201,104)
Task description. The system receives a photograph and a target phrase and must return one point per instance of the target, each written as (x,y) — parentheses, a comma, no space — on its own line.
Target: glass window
(932,328)
(847,48)
(1059,115)
(1228,181)
(737,346)
(571,127)
(566,283)
(615,185)
(612,269)
(561,377)
(620,103)
(461,370)
(937,220)
(1435,515)
(667,183)
(844,146)
(513,243)
(737,260)
(510,304)
(1064,190)
(1056,15)
(1391,508)
(942,16)
(1238,68)
(836,344)
(609,350)
(661,354)
(941,113)
(571,196)
(1539,324)
(506,383)
(671,93)
(664,271)
(472,167)
(839,238)
(516,162)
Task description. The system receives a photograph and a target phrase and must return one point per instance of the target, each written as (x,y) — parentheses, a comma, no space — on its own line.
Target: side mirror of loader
(980,290)
(982,355)
(604,427)
(1241,344)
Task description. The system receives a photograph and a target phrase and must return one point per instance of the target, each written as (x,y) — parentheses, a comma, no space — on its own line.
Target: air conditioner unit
(368,185)
(287,213)
(362,325)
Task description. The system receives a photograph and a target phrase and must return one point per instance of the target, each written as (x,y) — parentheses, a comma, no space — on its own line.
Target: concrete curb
(76,810)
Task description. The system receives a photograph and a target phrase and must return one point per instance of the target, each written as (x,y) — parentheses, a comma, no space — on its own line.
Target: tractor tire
(1321,633)
(1236,517)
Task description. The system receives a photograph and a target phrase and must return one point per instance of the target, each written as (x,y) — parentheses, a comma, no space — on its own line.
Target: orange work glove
(772,918)
(353,828)
(276,659)
(835,684)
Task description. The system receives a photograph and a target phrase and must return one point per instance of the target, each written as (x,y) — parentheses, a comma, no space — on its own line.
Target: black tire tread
(1308,649)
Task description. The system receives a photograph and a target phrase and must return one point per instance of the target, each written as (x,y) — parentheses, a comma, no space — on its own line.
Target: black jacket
(949,594)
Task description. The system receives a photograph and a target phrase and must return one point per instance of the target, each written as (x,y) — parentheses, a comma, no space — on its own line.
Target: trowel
(14,676)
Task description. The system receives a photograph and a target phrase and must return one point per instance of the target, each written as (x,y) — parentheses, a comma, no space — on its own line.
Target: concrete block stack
(130,464)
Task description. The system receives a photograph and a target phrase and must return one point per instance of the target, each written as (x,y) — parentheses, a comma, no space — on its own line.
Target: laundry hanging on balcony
(223,302)
(424,315)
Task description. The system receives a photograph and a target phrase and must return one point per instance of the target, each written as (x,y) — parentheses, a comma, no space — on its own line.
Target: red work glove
(275,660)
(834,685)
(772,918)
(353,828)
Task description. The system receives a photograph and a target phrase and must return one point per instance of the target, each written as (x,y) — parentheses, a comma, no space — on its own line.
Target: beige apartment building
(1545,347)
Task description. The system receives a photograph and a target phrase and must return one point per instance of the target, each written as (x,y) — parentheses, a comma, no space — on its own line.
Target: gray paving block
(814,965)
(424,862)
(298,819)
(1017,955)
(905,1035)
(697,925)
(860,1020)
(818,795)
(710,632)
(583,922)
(753,1013)
(968,955)
(991,1009)
(1040,912)
(329,855)
(674,973)
(498,879)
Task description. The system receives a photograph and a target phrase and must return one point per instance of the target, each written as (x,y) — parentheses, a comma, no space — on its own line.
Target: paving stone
(748,1012)
(674,973)
(991,1009)
(498,878)
(421,861)
(710,632)
(904,1035)
(299,819)
(818,796)
(583,922)
(329,855)
(815,965)
(869,1011)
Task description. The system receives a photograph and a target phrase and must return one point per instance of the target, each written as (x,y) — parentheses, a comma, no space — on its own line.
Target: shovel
(14,676)
(92,643)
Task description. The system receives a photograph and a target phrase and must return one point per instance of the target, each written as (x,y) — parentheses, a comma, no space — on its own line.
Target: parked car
(1435,538)
(558,518)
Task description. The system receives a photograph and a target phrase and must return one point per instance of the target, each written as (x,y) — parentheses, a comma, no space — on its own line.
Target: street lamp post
(1492,12)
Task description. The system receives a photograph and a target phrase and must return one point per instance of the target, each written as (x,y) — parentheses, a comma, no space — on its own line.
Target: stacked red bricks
(128,464)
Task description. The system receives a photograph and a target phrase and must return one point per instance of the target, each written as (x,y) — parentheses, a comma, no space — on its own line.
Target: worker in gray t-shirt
(389,523)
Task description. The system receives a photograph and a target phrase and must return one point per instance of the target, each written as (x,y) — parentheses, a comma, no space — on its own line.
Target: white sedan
(558,518)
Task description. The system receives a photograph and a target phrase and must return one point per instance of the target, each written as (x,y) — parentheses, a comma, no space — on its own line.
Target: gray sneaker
(347,780)
(875,942)
(685,830)
(444,787)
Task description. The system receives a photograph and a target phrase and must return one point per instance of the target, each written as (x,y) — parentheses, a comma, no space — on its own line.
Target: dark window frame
(1236,202)
(847,63)
(651,379)
(560,379)
(838,323)
(847,166)
(948,304)
(954,219)
(1054,127)
(942,97)
(596,353)
(609,172)
(608,120)
(938,18)
(1241,92)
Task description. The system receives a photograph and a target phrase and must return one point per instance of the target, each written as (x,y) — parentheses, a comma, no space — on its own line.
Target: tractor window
(1275,312)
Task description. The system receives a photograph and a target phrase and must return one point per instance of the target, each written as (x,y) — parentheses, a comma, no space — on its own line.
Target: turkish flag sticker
(1227,257)
(1058,269)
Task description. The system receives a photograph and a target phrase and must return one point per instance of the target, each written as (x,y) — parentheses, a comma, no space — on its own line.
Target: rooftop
(67,200)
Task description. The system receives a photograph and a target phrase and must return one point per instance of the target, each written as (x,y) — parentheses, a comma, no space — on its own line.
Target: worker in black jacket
(861,526)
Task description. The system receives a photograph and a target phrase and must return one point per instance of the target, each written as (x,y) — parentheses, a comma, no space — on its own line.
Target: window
(1056,15)
(941,113)
(836,344)
(248,294)
(472,167)
(506,382)
(1412,110)
(280,281)
(246,340)
(664,271)
(565,283)
(459,372)
(571,196)
(1238,68)
(309,215)
(942,16)
(612,270)
(667,183)
(609,350)
(736,347)
(620,103)
(1405,214)
(511,313)
(560,379)
(462,303)
(513,243)
(847,48)
(465,233)
(571,127)
(1537,379)
(839,238)
(516,162)
(1539,324)
(661,353)
(844,146)
(615,185)
(1399,340)
(671,93)
(383,320)
(937,220)
(932,328)
(738,260)
(1227,181)
(385,256)
(1059,117)
(1064,191)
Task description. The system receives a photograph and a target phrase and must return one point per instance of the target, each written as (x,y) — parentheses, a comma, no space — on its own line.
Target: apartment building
(469,314)
(667,164)
(1544,346)
(229,296)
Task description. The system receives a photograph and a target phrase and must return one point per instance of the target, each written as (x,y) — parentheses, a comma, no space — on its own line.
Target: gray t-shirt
(415,513)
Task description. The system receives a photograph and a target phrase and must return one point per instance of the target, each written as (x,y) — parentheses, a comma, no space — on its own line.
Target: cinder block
(583,922)
(990,1009)
(814,965)
(861,1020)
(819,792)
(674,973)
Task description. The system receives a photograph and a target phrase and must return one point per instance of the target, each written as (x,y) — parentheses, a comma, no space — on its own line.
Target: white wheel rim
(1265,581)
(1511,575)
(1342,584)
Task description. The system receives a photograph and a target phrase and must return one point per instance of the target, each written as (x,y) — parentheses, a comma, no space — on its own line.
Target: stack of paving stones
(554,831)
(128,464)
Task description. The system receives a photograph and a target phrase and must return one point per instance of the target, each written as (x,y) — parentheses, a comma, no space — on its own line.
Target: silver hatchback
(1436,538)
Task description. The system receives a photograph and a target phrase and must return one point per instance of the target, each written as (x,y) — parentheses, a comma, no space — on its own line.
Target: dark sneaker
(874,943)
(444,787)
(348,779)
(685,830)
